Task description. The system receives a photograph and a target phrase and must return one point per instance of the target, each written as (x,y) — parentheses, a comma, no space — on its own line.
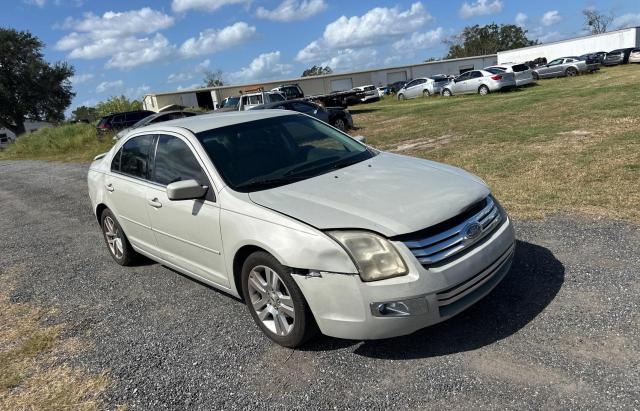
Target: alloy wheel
(114,239)
(339,124)
(271,300)
(483,90)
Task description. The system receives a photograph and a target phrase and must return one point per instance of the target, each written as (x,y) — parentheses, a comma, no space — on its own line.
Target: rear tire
(483,90)
(117,243)
(571,72)
(275,302)
(426,93)
(340,124)
(446,92)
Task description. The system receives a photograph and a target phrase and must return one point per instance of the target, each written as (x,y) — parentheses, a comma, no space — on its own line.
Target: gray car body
(389,194)
(472,81)
(422,86)
(564,66)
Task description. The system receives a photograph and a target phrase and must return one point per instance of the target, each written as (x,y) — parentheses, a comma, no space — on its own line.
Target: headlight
(375,257)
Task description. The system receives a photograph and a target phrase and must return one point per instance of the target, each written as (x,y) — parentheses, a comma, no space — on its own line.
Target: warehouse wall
(574,47)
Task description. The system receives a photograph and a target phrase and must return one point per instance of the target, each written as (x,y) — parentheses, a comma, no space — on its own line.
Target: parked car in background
(419,87)
(634,56)
(119,121)
(290,91)
(597,57)
(248,100)
(564,66)
(155,118)
(370,93)
(618,56)
(479,81)
(395,87)
(338,117)
(382,91)
(522,73)
(316,231)
(6,139)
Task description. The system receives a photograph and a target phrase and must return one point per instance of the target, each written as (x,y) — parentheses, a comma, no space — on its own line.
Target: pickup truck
(565,66)
(249,100)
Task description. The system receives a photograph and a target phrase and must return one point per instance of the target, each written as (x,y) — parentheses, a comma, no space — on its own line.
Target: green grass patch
(70,142)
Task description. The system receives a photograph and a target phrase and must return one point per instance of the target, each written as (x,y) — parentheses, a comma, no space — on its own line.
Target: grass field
(570,144)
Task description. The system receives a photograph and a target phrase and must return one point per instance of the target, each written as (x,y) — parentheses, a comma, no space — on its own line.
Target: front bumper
(345,307)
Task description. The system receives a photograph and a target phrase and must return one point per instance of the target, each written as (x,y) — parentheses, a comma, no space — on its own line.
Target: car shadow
(535,278)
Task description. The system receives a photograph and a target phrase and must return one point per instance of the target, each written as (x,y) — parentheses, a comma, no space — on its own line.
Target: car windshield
(143,122)
(230,102)
(272,152)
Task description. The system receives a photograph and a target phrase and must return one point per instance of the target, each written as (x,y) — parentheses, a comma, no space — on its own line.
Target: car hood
(389,194)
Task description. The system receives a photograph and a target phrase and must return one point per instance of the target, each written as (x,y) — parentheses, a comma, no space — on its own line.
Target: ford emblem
(472,231)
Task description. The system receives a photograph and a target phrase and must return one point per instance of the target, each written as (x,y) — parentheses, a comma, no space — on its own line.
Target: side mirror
(360,139)
(186,190)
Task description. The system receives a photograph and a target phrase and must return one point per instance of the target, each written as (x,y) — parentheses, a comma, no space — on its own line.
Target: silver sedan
(479,81)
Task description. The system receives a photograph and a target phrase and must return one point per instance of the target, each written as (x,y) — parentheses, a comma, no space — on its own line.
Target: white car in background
(423,87)
(313,229)
(370,93)
(521,72)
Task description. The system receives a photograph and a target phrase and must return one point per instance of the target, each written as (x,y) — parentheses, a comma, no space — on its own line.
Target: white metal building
(208,97)
(578,46)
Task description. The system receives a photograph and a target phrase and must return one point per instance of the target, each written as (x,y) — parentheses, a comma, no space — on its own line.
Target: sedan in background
(338,117)
(370,93)
(619,56)
(154,118)
(564,66)
(479,81)
(522,73)
(634,56)
(423,87)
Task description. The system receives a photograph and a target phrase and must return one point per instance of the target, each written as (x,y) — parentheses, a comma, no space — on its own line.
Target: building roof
(210,121)
(570,40)
(295,80)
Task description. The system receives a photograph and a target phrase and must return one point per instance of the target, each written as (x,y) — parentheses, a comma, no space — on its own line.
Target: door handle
(109,187)
(155,203)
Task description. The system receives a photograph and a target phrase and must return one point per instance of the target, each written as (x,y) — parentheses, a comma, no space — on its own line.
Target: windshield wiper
(312,164)
(259,182)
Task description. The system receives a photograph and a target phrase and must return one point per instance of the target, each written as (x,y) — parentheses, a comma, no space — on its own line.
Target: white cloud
(137,93)
(189,74)
(379,25)
(521,19)
(204,5)
(550,18)
(420,41)
(39,3)
(480,8)
(264,67)
(290,10)
(626,20)
(81,78)
(109,85)
(350,59)
(132,52)
(211,40)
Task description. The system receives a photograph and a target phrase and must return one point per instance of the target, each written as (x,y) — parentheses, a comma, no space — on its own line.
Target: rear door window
(134,160)
(303,107)
(475,74)
(175,161)
(520,67)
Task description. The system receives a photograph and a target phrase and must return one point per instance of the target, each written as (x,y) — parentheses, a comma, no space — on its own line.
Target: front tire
(401,97)
(446,92)
(426,93)
(536,76)
(340,124)
(275,302)
(116,240)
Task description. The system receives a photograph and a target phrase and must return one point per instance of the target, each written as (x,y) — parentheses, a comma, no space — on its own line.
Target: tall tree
(29,86)
(84,113)
(117,104)
(490,39)
(317,71)
(595,21)
(213,78)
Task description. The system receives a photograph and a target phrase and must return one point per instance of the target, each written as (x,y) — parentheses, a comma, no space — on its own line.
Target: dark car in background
(597,57)
(338,117)
(618,56)
(395,87)
(119,121)
(155,118)
(290,91)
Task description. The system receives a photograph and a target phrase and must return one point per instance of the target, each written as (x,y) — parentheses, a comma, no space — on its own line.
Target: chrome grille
(451,241)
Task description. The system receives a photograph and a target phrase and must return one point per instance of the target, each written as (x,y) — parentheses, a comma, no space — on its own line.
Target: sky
(135,47)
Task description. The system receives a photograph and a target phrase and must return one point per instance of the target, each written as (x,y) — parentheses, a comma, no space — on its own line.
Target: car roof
(197,124)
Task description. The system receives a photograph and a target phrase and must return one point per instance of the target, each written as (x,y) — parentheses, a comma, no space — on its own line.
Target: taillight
(496,77)
(105,125)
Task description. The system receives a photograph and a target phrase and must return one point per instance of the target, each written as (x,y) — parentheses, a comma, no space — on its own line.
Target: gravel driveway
(561,331)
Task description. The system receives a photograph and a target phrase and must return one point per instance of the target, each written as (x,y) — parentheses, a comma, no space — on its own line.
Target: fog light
(390,309)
